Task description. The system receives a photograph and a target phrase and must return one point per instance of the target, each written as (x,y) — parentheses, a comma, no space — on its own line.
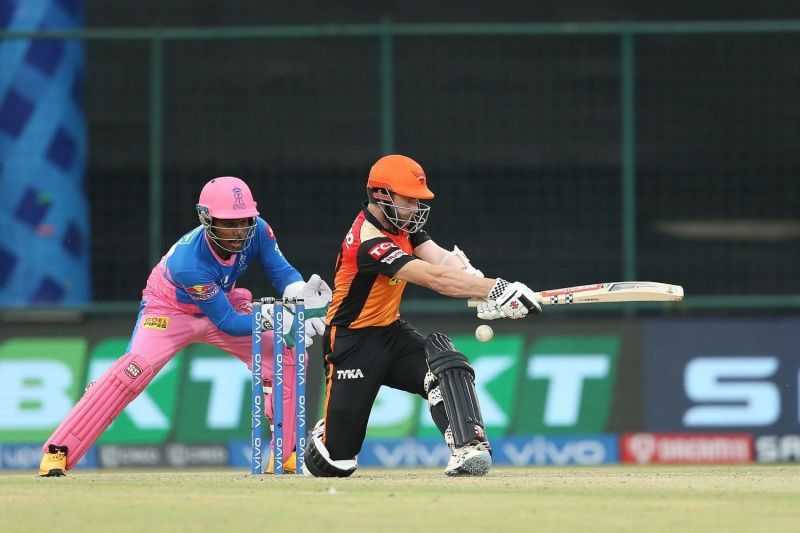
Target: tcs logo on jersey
(379,250)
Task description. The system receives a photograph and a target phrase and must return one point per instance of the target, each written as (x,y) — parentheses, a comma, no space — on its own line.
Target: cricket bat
(618,291)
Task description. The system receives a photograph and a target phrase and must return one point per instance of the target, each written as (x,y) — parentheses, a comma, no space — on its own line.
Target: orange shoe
(289,465)
(54,462)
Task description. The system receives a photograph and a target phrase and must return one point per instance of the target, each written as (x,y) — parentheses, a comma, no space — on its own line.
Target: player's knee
(133,371)
(318,462)
(442,355)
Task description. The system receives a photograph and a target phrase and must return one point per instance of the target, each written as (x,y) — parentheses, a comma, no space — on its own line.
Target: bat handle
(475,302)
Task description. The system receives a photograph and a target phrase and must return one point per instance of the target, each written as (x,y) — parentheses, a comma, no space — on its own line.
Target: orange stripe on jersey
(365,292)
(328,384)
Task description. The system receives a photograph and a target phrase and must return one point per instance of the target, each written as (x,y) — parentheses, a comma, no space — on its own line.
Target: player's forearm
(453,282)
(225,317)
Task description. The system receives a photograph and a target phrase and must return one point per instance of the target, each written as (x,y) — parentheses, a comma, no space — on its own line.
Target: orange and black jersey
(365,292)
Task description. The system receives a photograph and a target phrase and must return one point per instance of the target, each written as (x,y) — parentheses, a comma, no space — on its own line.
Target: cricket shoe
(54,462)
(289,465)
(472,459)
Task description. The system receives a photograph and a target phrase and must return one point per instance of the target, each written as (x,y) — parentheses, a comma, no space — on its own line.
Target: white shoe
(472,459)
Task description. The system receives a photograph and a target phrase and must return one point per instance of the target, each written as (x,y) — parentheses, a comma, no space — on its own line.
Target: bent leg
(356,366)
(150,349)
(318,458)
(472,454)
(456,382)
(101,404)
(409,372)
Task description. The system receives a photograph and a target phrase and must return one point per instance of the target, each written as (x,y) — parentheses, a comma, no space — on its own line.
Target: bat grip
(526,302)
(475,302)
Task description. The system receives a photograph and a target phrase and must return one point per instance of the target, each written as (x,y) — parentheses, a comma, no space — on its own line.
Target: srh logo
(419,175)
(349,374)
(379,250)
(133,370)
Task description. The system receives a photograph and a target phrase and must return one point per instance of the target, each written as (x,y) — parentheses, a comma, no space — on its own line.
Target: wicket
(257,396)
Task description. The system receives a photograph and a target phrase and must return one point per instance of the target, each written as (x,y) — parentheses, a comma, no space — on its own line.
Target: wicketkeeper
(191,296)
(366,345)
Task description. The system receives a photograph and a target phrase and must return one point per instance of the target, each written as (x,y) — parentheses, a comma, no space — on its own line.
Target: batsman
(367,345)
(191,296)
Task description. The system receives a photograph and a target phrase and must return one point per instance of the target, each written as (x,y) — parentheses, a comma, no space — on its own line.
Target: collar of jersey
(216,256)
(375,222)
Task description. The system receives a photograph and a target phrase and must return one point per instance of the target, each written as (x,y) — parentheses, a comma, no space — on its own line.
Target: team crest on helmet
(238,199)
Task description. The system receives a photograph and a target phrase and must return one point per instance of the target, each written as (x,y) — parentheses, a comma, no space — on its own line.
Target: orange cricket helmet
(400,174)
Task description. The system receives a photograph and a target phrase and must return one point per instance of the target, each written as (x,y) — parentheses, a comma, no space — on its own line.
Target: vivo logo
(540,451)
(411,453)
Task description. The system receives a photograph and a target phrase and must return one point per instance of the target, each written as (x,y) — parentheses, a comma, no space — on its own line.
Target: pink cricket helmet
(227,198)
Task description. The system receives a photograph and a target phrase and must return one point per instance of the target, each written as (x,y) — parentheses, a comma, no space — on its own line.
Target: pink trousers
(160,333)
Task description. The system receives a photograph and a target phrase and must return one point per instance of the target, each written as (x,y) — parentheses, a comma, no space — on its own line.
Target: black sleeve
(419,237)
(381,256)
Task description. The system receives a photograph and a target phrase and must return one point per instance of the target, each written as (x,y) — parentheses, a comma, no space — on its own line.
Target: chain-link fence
(560,154)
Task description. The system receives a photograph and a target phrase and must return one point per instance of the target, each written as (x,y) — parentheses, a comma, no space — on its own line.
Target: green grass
(720,498)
